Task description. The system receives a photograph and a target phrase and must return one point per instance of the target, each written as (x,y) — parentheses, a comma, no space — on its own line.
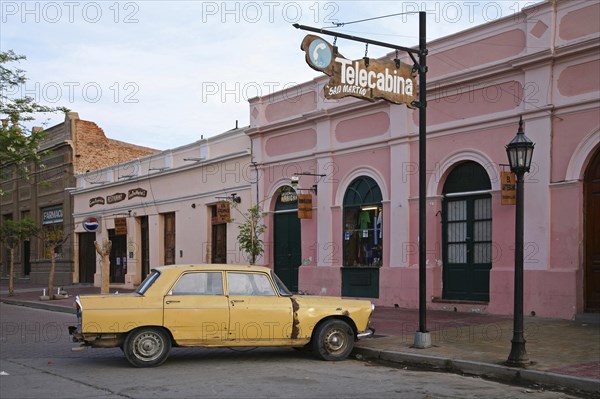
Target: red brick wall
(93,150)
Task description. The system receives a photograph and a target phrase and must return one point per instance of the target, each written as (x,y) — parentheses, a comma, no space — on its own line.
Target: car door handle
(168,302)
(233,301)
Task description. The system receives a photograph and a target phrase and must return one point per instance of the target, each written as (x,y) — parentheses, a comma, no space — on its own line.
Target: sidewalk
(563,354)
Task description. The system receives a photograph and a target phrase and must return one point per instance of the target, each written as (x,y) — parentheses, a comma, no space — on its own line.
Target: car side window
(199,283)
(249,284)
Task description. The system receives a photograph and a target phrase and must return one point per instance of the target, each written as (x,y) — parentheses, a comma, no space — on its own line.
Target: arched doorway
(363,238)
(591,219)
(467,233)
(287,251)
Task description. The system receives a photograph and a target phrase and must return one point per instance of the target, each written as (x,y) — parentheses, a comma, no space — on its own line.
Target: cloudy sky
(163,73)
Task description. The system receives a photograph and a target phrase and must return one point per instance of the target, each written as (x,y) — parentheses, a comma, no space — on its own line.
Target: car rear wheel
(147,347)
(333,340)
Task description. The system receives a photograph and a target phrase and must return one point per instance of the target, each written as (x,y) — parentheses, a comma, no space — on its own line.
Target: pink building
(543,64)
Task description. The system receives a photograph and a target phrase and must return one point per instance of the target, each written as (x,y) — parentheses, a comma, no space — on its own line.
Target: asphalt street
(36,361)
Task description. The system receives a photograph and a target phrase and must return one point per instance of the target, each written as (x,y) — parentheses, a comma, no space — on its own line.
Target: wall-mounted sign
(136,192)
(91,224)
(223,213)
(52,214)
(380,79)
(305,206)
(508,189)
(288,196)
(96,201)
(117,197)
(121,226)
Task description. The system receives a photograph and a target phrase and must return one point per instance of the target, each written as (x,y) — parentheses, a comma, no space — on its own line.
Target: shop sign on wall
(223,213)
(380,79)
(508,189)
(305,206)
(136,192)
(52,214)
(118,197)
(121,226)
(96,201)
(91,224)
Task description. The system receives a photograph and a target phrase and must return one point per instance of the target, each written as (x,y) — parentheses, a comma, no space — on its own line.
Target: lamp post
(520,152)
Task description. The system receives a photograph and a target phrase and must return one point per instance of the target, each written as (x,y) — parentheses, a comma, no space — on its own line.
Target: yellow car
(218,306)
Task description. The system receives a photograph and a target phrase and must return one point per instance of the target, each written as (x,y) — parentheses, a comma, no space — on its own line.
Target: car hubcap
(335,341)
(147,346)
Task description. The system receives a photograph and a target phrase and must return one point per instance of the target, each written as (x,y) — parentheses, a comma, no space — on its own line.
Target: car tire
(333,340)
(147,347)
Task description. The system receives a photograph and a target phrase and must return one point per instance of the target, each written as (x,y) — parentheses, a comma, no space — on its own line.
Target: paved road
(36,362)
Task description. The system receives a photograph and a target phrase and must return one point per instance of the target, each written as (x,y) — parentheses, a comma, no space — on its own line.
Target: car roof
(211,266)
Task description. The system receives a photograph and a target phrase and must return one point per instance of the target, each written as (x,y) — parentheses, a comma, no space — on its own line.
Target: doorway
(145,246)
(87,257)
(592,235)
(169,233)
(287,239)
(467,234)
(118,257)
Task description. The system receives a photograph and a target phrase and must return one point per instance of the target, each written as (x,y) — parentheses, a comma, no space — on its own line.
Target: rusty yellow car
(217,306)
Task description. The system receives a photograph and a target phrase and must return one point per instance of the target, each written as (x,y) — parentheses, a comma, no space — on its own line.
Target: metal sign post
(422,336)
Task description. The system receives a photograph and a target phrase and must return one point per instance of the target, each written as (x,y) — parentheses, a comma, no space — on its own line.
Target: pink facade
(546,69)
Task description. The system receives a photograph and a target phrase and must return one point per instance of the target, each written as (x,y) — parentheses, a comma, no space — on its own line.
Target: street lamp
(520,152)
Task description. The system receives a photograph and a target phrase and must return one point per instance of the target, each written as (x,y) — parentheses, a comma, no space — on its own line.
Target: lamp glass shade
(520,152)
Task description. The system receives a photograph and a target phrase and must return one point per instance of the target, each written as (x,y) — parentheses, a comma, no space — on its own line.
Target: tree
(104,251)
(12,232)
(251,230)
(19,146)
(53,237)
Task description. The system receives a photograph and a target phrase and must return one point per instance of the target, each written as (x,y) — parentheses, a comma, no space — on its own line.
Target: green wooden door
(467,235)
(287,250)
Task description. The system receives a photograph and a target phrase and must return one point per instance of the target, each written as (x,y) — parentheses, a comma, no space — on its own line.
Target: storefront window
(363,223)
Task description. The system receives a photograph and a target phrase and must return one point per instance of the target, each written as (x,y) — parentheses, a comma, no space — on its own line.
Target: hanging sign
(305,206)
(508,189)
(121,226)
(223,213)
(380,79)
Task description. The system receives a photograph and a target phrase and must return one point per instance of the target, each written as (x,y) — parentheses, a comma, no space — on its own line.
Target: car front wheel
(333,340)
(147,347)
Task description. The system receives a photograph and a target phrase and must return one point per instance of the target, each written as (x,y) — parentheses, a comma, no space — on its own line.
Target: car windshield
(283,290)
(148,281)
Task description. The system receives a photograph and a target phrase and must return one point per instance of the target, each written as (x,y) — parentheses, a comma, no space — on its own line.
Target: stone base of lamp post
(422,340)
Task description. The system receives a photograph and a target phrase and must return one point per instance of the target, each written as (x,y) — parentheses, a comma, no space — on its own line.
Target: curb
(38,305)
(504,373)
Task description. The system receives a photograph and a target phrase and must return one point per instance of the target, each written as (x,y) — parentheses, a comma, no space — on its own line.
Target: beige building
(75,146)
(166,208)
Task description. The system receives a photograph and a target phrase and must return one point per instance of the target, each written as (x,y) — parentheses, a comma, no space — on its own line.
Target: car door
(196,310)
(258,315)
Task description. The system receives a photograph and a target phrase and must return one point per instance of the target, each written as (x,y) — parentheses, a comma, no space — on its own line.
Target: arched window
(363,222)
